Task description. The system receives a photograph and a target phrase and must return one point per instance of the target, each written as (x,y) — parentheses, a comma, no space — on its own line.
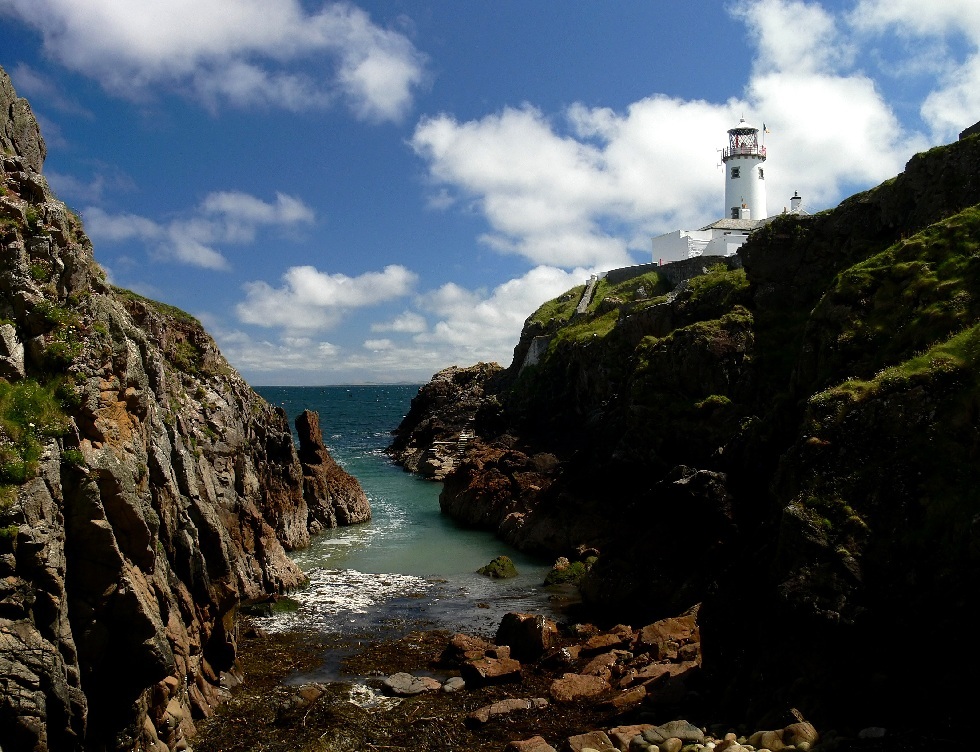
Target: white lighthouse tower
(745,178)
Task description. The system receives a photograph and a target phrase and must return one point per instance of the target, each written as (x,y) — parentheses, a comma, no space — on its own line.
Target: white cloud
(590,187)
(407,321)
(311,300)
(478,325)
(792,35)
(233,51)
(264,356)
(473,325)
(223,218)
(954,102)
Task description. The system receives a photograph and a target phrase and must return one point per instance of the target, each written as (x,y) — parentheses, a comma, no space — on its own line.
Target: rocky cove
(764,473)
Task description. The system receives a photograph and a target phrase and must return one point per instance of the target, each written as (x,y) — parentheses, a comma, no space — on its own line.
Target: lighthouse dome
(743,128)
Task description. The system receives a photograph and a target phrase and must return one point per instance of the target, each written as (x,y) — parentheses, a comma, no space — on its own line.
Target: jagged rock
(19,131)
(11,354)
(167,493)
(463,648)
(334,497)
(429,437)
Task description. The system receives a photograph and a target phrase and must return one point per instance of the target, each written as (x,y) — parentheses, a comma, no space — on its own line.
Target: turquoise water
(410,563)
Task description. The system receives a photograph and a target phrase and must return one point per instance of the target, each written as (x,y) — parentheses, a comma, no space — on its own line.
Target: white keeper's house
(745,203)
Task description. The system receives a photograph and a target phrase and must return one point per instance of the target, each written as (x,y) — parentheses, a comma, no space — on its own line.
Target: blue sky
(372,191)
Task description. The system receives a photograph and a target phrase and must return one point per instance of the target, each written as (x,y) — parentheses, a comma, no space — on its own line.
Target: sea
(410,567)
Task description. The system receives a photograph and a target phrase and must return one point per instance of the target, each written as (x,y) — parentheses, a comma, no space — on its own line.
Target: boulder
(454,684)
(404,684)
(680,729)
(463,648)
(621,736)
(534,744)
(623,701)
(799,732)
(528,635)
(577,687)
(490,670)
(595,740)
(503,708)
(500,568)
(663,638)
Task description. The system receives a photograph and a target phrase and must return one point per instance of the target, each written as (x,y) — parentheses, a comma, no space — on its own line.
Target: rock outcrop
(798,434)
(334,497)
(145,490)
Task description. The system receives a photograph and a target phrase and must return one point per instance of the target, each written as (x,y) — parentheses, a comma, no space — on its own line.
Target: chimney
(795,202)
(745,213)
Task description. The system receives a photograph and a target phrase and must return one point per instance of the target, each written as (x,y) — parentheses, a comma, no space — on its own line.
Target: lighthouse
(745,204)
(745,176)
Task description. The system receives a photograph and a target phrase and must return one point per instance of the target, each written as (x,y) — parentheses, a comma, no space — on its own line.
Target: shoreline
(278,708)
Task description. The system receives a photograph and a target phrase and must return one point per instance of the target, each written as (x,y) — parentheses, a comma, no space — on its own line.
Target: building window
(735,172)
(734,212)
(762,175)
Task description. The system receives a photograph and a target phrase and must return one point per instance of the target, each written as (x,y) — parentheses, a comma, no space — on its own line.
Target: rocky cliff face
(791,444)
(145,489)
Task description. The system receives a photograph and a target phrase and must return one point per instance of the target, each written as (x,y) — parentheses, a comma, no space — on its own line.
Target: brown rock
(626,700)
(596,740)
(462,648)
(562,658)
(601,665)
(672,744)
(800,732)
(619,636)
(534,744)
(490,671)
(504,707)
(333,496)
(771,740)
(528,635)
(622,735)
(576,687)
(667,634)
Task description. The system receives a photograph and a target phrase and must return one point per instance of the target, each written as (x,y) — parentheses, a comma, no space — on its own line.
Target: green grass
(163,308)
(558,310)
(911,295)
(29,413)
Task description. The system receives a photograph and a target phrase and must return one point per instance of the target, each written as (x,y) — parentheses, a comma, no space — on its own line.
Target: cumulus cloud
(471,325)
(313,300)
(406,321)
(476,325)
(590,186)
(223,218)
(954,102)
(236,52)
